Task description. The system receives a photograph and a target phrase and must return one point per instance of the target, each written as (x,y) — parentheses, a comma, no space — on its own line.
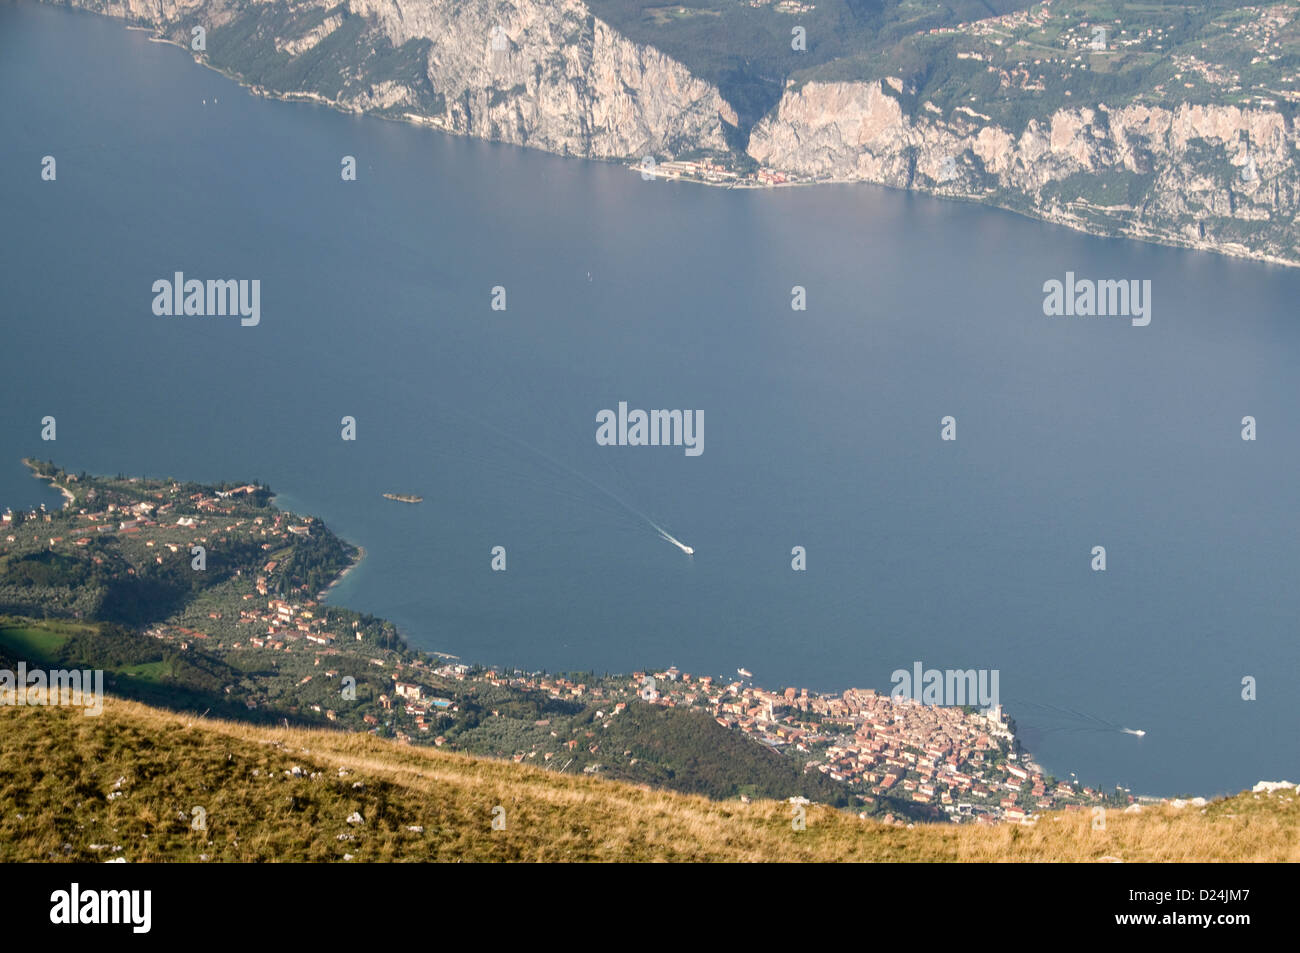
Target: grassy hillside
(135,666)
(681,749)
(127,784)
(213,641)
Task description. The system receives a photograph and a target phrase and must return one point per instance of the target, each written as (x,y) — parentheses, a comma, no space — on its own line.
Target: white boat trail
(1049,718)
(688,550)
(626,506)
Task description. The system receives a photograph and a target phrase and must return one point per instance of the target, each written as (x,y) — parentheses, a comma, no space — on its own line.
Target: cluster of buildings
(417,702)
(960,762)
(127,519)
(282,623)
(714,172)
(1077,42)
(790,7)
(277,628)
(83,526)
(699,170)
(1262,36)
(10,521)
(964,764)
(1030,18)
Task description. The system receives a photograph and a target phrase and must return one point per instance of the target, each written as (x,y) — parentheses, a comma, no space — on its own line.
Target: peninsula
(109,582)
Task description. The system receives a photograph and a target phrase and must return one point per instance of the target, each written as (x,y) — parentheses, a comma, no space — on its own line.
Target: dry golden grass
(59,768)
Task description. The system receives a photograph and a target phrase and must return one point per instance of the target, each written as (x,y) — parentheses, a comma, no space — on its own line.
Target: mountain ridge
(144,785)
(1171,130)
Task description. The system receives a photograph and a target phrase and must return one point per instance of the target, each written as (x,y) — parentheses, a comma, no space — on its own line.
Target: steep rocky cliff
(540,73)
(551,75)
(1214,177)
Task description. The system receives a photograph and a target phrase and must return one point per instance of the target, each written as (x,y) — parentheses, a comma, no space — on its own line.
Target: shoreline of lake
(1059,217)
(68,497)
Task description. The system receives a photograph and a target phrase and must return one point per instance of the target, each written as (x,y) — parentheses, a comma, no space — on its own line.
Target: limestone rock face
(540,73)
(551,75)
(547,73)
(1215,177)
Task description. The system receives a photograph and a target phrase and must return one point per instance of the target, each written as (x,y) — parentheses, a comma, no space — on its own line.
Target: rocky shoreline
(68,496)
(1214,178)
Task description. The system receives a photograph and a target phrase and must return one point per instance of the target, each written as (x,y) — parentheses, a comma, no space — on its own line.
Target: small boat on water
(404,497)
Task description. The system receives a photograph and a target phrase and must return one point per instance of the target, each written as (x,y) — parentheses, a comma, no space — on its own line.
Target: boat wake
(622,505)
(1047,719)
(688,550)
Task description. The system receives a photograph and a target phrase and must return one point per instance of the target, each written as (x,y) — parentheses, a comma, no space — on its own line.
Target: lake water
(822,427)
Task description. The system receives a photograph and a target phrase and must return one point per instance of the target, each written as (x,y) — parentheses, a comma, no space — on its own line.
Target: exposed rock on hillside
(1213,177)
(540,73)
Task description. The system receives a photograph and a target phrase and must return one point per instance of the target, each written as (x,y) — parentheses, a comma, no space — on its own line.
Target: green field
(149,671)
(37,642)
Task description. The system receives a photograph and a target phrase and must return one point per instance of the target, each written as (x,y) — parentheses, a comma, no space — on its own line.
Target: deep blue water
(821,427)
